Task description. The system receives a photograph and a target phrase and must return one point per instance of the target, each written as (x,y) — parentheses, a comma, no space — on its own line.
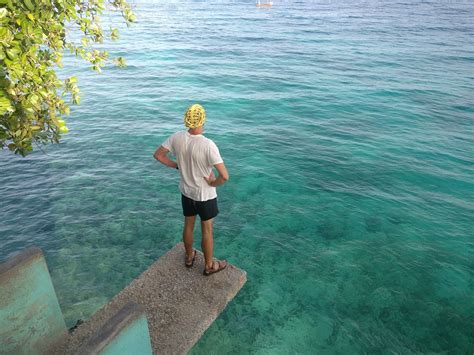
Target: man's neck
(196,131)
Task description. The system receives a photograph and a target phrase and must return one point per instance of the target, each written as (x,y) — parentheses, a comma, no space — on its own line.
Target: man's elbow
(158,157)
(225,177)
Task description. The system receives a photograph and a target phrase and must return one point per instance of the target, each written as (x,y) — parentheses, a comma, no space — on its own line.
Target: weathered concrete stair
(180,303)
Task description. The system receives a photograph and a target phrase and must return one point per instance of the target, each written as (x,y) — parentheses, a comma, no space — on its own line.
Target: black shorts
(205,209)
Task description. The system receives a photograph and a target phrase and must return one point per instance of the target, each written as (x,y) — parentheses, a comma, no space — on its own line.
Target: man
(196,155)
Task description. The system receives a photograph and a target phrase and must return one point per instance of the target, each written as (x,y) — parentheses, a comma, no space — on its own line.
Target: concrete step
(180,303)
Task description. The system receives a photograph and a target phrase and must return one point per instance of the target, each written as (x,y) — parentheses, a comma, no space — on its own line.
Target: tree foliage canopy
(34,35)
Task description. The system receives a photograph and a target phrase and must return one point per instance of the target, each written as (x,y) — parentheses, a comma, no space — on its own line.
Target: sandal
(221,265)
(192,261)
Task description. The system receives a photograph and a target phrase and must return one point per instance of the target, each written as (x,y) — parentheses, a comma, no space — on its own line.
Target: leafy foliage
(34,35)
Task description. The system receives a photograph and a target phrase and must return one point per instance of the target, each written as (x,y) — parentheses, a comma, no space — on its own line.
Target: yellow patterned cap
(195,116)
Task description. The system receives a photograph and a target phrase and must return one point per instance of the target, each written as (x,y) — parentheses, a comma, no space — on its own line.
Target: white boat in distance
(264,4)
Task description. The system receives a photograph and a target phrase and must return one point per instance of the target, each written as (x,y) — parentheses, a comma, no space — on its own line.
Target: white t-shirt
(195,155)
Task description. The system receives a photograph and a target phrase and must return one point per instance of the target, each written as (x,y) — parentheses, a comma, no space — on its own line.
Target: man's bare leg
(188,237)
(207,243)
(207,246)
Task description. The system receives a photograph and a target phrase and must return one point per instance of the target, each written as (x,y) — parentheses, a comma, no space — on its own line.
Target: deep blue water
(348,131)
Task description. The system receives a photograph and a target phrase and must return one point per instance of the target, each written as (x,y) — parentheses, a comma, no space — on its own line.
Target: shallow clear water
(347,128)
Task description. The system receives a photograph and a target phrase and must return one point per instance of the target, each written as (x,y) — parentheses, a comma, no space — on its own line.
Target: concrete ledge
(126,332)
(30,318)
(180,303)
(14,263)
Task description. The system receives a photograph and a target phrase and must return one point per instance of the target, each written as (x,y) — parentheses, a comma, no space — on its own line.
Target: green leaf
(120,61)
(12,53)
(3,13)
(5,105)
(114,35)
(33,99)
(29,4)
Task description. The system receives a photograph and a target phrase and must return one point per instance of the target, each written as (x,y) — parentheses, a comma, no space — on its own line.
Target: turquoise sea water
(347,128)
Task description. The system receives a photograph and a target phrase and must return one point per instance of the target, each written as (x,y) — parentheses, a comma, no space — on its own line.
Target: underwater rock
(381,299)
(373,224)
(323,329)
(330,230)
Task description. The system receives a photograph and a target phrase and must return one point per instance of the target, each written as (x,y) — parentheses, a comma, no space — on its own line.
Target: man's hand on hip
(221,179)
(211,178)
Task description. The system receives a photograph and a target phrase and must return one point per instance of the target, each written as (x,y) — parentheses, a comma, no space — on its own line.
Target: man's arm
(221,178)
(161,156)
